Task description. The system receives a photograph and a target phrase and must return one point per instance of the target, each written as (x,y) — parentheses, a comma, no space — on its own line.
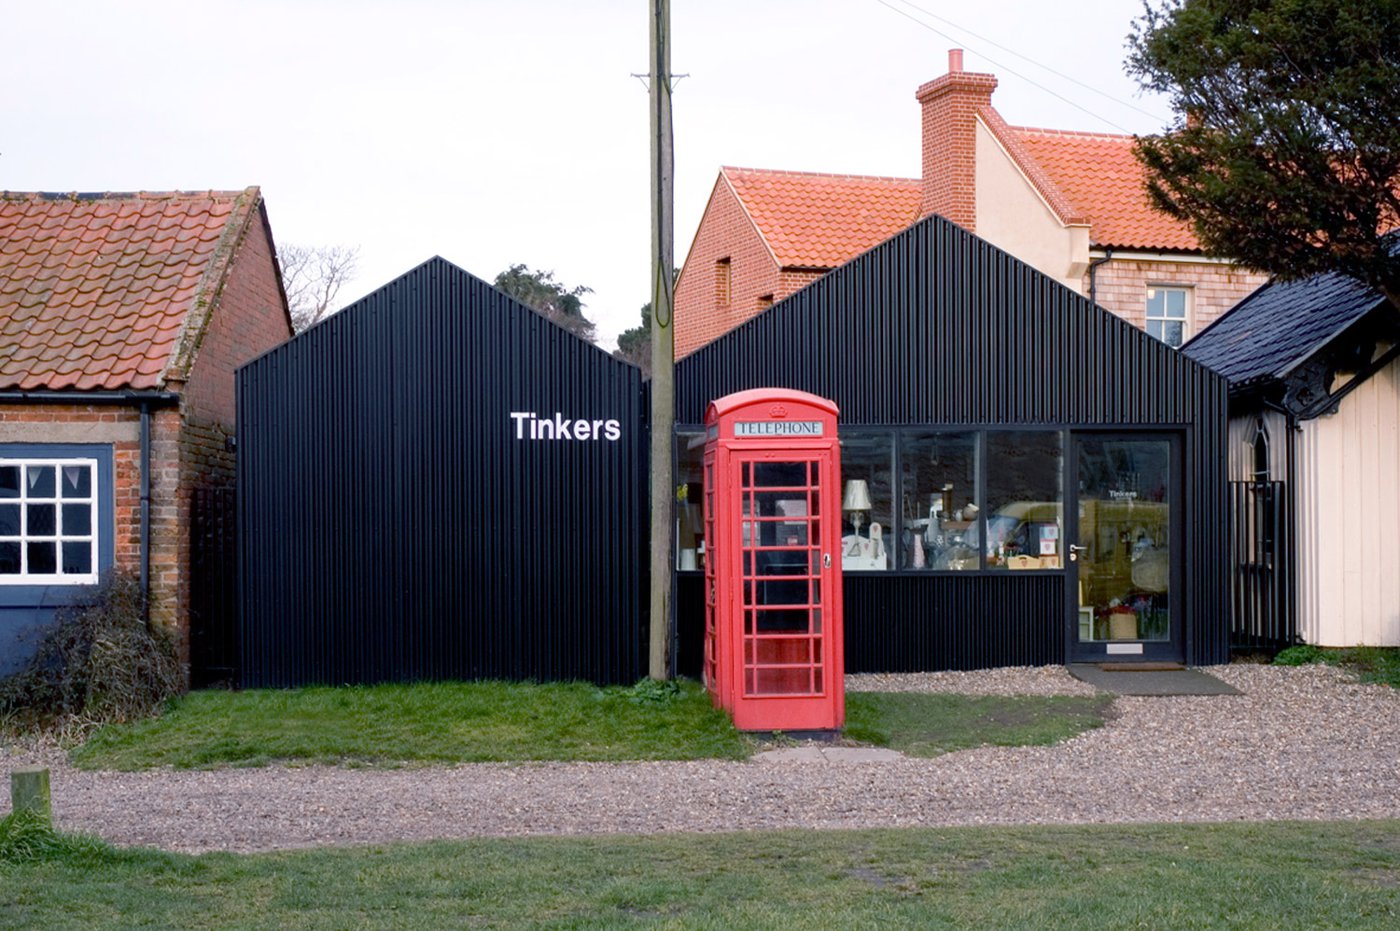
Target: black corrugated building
(1049,480)
(438,482)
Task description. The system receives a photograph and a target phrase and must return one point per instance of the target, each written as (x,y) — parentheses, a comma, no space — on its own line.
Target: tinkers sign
(531,426)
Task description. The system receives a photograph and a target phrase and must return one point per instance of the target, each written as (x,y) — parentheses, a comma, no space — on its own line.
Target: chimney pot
(954,60)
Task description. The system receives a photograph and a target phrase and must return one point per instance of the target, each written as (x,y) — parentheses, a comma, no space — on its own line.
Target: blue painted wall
(26,611)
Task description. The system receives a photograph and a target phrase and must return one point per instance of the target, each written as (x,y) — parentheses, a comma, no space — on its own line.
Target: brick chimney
(950,104)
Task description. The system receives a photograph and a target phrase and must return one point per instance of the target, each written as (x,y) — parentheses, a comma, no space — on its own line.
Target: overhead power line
(1011,51)
(1006,68)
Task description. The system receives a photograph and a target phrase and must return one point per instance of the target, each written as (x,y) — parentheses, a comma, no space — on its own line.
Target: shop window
(1167,314)
(48,521)
(939,495)
(690,511)
(932,512)
(867,501)
(1023,522)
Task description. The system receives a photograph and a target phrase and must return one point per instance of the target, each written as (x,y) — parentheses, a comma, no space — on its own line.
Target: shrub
(1301,655)
(1370,664)
(98,662)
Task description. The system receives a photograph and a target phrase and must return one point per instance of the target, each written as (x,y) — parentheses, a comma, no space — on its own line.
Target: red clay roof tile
(1102,179)
(94,290)
(814,220)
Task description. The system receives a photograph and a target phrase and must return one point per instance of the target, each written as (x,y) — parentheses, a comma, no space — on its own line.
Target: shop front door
(1124,554)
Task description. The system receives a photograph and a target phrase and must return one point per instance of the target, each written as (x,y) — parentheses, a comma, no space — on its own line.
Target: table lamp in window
(855,502)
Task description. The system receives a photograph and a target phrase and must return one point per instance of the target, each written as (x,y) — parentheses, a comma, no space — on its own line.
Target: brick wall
(169,531)
(726,232)
(249,318)
(950,105)
(1122,288)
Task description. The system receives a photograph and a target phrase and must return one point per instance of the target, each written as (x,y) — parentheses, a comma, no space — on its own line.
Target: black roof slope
(1270,332)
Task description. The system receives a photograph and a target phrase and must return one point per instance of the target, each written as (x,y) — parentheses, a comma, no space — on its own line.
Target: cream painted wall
(1349,519)
(1012,216)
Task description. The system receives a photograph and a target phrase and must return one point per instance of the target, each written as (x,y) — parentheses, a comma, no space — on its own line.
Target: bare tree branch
(312,276)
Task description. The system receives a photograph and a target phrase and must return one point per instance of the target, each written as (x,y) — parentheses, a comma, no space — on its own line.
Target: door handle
(1075,550)
(826,560)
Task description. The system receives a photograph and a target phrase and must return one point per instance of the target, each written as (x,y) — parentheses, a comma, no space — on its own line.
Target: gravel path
(1302,743)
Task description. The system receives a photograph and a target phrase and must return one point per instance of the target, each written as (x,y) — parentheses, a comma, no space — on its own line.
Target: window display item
(856,502)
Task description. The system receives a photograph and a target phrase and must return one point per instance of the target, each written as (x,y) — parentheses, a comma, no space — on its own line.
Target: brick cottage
(122,319)
(1073,205)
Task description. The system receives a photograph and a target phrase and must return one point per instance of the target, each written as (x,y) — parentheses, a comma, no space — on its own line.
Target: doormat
(1150,681)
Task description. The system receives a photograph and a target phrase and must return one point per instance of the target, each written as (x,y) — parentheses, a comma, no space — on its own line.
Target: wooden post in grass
(29,791)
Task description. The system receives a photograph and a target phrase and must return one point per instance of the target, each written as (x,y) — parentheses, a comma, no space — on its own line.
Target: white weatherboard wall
(1349,519)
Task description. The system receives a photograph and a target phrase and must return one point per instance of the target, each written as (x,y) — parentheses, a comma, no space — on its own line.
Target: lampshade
(857,497)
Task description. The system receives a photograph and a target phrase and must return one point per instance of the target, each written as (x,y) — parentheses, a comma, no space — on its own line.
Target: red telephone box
(773,627)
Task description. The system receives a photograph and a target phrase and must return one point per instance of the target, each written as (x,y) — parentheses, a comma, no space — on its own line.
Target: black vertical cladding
(393,526)
(936,327)
(213,585)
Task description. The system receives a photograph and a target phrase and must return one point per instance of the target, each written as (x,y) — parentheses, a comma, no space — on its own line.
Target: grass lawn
(459,722)
(426,722)
(1280,875)
(927,725)
(1371,664)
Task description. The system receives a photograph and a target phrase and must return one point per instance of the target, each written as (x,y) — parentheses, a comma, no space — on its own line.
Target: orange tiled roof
(814,220)
(1104,182)
(96,289)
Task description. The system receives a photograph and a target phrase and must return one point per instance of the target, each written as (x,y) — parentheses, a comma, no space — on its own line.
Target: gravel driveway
(1299,743)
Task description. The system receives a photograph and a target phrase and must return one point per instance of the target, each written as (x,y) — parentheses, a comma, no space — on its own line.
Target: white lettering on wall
(532,426)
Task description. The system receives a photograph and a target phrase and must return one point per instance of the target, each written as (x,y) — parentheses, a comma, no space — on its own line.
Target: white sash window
(48,521)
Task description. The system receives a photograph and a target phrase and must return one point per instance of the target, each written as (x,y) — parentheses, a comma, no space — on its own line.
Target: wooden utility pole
(663,347)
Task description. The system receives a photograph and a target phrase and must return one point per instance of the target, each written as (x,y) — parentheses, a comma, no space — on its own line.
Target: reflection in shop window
(867,501)
(1024,518)
(690,490)
(939,497)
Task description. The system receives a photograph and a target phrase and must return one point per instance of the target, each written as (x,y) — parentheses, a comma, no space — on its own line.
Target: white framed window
(1168,313)
(48,521)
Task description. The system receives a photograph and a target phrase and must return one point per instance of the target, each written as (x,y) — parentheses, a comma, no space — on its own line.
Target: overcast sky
(491,132)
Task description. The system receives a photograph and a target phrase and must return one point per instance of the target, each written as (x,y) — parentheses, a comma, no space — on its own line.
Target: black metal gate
(213,586)
(1261,559)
